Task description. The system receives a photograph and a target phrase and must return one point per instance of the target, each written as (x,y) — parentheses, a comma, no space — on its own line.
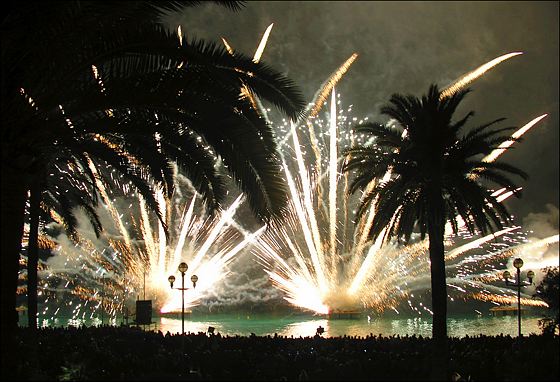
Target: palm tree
(549,291)
(131,95)
(73,187)
(437,170)
(68,181)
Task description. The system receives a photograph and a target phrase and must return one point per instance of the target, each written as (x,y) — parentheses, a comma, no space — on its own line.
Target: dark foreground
(120,353)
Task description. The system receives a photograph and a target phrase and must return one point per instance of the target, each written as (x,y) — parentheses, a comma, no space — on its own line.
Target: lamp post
(518,263)
(102,299)
(194,278)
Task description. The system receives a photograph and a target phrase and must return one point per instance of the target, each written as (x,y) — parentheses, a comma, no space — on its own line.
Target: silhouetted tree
(436,174)
(549,291)
(102,78)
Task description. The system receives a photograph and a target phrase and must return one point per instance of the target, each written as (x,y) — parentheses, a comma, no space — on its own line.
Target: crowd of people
(125,353)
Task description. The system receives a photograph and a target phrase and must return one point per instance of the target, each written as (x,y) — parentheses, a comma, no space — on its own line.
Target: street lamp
(518,263)
(194,278)
(102,299)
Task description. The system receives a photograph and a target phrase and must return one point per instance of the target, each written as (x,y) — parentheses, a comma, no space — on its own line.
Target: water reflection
(306,328)
(245,325)
(174,326)
(457,327)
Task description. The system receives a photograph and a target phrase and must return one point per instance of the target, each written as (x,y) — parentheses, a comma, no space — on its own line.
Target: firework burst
(134,258)
(323,261)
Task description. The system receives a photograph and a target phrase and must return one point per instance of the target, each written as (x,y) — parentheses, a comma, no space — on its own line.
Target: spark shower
(318,257)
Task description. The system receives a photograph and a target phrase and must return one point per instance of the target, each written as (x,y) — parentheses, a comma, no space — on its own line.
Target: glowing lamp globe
(518,263)
(194,279)
(171,280)
(506,275)
(183,267)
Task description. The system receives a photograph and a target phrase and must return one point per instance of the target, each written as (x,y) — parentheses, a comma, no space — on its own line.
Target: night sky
(403,47)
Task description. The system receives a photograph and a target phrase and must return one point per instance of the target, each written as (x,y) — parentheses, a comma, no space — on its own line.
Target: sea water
(245,324)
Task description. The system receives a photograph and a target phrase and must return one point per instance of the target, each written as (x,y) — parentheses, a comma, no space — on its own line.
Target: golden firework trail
(534,245)
(97,76)
(228,47)
(114,213)
(260,49)
(476,243)
(180,35)
(500,197)
(472,76)
(495,154)
(319,100)
(506,195)
(262,44)
(315,106)
(506,300)
(502,148)
(321,96)
(302,200)
(333,178)
(245,92)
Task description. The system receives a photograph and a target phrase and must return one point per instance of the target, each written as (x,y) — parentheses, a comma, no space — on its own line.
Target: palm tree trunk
(33,255)
(439,287)
(436,231)
(14,192)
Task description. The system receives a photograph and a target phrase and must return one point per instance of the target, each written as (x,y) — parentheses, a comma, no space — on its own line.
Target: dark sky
(403,47)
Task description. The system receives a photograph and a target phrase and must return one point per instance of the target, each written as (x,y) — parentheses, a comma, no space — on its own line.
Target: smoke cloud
(403,47)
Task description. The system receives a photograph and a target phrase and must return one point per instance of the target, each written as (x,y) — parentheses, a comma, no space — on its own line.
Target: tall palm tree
(437,172)
(65,184)
(132,95)
(68,181)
